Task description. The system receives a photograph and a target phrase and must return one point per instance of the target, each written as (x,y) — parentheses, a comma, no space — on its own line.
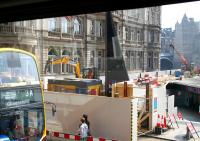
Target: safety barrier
(191,130)
(180,116)
(161,121)
(172,119)
(74,137)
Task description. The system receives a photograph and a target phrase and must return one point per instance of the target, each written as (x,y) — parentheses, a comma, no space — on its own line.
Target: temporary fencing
(75,137)
(180,116)
(192,129)
(172,119)
(161,122)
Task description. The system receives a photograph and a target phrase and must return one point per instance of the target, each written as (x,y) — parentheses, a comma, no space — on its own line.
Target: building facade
(167,52)
(167,38)
(186,36)
(83,37)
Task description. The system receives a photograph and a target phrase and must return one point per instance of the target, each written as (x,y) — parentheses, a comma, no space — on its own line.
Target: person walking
(88,123)
(83,130)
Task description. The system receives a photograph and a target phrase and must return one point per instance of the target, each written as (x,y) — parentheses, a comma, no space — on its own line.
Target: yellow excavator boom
(67,60)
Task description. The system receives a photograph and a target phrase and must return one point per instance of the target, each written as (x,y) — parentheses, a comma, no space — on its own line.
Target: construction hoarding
(112,118)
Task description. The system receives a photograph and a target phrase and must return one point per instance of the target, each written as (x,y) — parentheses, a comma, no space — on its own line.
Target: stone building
(167,52)
(186,34)
(83,37)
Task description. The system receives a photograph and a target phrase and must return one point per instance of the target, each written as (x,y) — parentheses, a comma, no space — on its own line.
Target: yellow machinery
(90,73)
(66,60)
(81,86)
(78,86)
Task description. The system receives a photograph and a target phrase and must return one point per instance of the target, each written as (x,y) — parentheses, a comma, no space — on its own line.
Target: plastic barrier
(172,119)
(191,129)
(74,137)
(180,116)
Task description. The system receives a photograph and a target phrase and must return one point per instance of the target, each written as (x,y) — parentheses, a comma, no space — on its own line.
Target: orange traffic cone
(158,121)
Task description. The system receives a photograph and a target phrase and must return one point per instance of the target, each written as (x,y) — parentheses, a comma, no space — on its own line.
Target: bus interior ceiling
(27,10)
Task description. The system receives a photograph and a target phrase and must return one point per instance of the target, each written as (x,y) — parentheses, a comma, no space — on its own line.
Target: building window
(127,54)
(155,61)
(100,60)
(99,54)
(128,33)
(139,35)
(29,24)
(140,60)
(64,25)
(119,31)
(99,28)
(133,60)
(150,60)
(92,58)
(132,35)
(91,27)
(77,26)
(52,24)
(66,53)
(157,37)
(151,36)
(19,24)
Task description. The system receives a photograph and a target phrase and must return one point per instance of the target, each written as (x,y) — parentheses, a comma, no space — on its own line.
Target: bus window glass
(17,69)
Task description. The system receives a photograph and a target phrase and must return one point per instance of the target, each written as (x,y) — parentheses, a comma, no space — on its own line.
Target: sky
(172,13)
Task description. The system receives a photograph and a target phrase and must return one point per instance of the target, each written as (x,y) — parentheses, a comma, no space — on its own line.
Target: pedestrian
(83,130)
(12,127)
(88,123)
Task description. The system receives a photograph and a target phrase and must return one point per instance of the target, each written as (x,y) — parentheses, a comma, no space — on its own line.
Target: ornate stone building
(186,39)
(83,37)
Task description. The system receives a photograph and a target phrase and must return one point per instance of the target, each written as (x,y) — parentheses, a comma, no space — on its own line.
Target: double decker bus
(22,114)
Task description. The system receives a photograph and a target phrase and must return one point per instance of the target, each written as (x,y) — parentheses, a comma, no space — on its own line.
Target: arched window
(65,24)
(52,52)
(66,53)
(52,24)
(77,26)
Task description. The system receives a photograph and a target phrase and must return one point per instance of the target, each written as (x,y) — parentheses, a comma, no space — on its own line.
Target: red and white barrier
(180,116)
(75,137)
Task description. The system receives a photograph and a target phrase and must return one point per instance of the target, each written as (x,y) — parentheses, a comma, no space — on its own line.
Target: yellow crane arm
(63,60)
(67,60)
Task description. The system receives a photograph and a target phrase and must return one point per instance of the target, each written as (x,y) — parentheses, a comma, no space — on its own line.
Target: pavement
(174,134)
(178,133)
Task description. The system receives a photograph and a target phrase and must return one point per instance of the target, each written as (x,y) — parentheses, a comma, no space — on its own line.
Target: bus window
(18,69)
(21,101)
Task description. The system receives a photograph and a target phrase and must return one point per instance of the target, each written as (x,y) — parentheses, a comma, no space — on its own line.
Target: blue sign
(155,103)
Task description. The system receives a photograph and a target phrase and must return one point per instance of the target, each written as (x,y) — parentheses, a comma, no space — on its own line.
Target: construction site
(117,105)
(146,106)
(122,106)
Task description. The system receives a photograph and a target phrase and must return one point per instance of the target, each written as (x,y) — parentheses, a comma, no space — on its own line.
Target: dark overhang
(14,10)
